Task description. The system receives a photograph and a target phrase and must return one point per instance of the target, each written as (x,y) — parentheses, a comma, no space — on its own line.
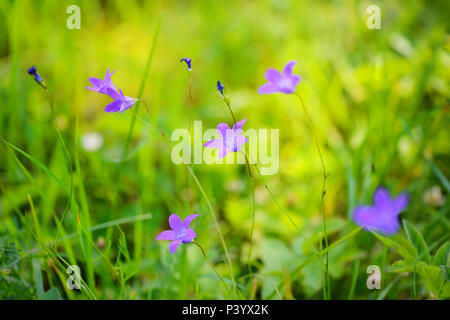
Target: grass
(378,100)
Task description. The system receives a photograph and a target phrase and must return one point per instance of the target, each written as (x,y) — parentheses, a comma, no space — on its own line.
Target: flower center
(182,233)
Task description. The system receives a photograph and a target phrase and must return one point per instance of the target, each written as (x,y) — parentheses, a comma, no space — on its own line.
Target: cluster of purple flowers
(382,216)
(106,86)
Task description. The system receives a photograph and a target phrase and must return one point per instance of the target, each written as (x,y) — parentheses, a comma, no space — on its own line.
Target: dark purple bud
(188,62)
(32,71)
(220,87)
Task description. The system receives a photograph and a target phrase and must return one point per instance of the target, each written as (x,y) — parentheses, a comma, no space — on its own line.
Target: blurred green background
(378,99)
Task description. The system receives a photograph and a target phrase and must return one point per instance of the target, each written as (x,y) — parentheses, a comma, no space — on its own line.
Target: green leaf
(418,241)
(52,294)
(442,256)
(432,278)
(445,291)
(401,245)
(37,277)
(401,266)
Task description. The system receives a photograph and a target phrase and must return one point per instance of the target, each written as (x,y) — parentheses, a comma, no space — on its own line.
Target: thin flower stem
(67,158)
(316,140)
(212,266)
(324,283)
(144,121)
(250,266)
(202,191)
(252,229)
(284,211)
(337,242)
(141,89)
(231,111)
(216,222)
(190,104)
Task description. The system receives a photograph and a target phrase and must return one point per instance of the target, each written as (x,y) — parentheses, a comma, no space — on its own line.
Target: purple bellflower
(230,140)
(120,103)
(382,216)
(188,63)
(180,233)
(32,71)
(283,82)
(102,86)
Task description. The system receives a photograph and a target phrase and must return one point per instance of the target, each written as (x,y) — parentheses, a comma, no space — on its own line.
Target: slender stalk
(324,283)
(190,103)
(141,89)
(252,229)
(212,266)
(354,279)
(337,242)
(202,191)
(86,218)
(227,102)
(216,222)
(284,211)
(324,224)
(66,154)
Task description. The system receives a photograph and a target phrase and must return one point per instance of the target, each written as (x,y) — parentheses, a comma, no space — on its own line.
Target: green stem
(216,222)
(354,280)
(337,242)
(285,213)
(67,158)
(231,111)
(202,191)
(252,181)
(316,140)
(212,266)
(141,89)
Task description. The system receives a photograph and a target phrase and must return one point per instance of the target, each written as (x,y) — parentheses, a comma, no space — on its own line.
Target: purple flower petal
(188,219)
(113,106)
(174,245)
(108,75)
(238,125)
(364,216)
(273,75)
(295,80)
(287,70)
(190,235)
(381,197)
(127,104)
(175,223)
(113,94)
(223,151)
(222,129)
(214,143)
(166,235)
(268,88)
(400,202)
(238,142)
(96,82)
